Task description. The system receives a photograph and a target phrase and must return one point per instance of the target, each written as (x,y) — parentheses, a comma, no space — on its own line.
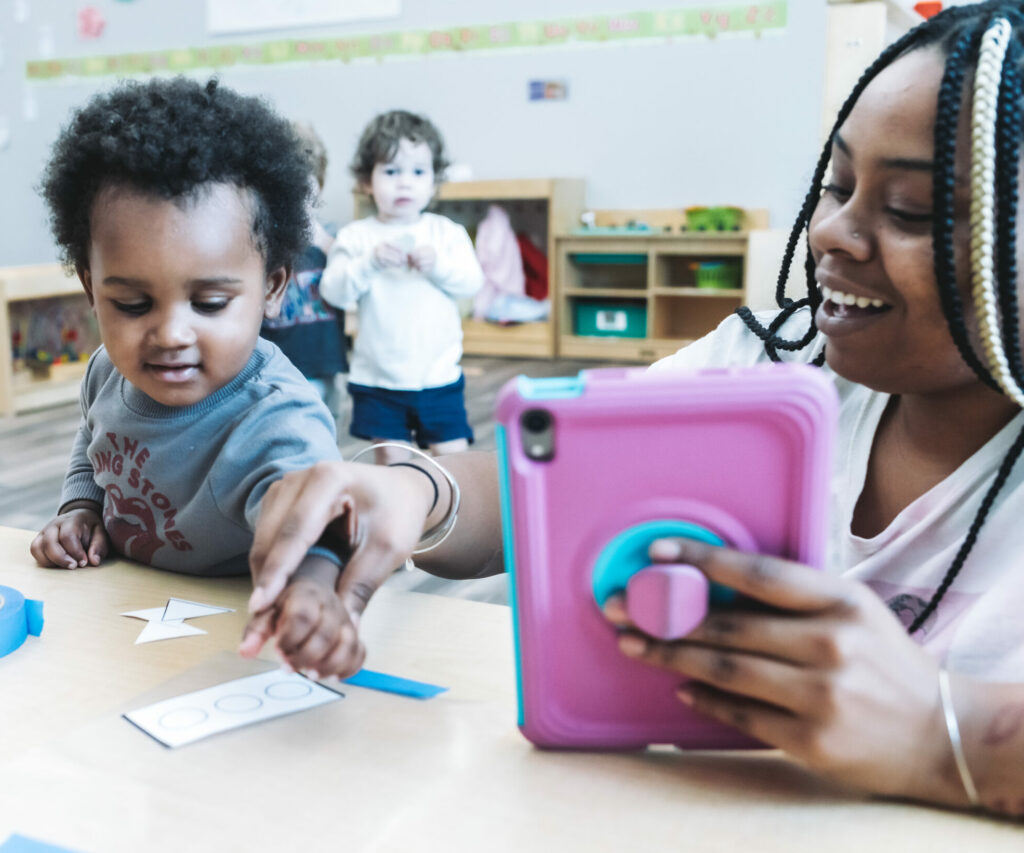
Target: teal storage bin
(618,258)
(610,319)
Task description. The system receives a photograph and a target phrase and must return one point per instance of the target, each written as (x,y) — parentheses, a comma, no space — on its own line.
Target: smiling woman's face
(871,237)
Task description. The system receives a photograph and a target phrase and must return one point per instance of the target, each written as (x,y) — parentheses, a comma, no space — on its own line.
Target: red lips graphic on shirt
(131,526)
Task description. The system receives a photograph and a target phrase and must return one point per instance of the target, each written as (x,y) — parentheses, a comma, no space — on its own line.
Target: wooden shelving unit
(643,286)
(541,207)
(23,389)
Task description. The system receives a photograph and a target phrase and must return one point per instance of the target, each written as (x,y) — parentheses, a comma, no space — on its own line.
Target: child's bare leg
(456,445)
(387,455)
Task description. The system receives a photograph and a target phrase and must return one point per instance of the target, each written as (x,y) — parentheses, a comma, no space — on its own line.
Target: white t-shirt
(978,627)
(410,329)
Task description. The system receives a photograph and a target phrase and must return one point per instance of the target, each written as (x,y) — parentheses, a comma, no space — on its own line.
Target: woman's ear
(277,284)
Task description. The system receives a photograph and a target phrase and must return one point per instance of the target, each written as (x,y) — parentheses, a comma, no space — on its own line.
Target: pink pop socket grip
(667,600)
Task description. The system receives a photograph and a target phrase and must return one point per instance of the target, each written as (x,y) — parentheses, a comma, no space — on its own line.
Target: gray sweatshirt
(181,486)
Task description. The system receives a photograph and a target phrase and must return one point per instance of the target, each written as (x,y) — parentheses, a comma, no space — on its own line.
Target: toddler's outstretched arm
(382,512)
(74,539)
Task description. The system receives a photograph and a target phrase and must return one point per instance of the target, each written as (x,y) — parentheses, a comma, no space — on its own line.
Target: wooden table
(373,772)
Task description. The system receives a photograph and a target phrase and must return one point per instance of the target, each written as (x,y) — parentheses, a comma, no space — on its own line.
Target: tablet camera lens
(538,434)
(536,420)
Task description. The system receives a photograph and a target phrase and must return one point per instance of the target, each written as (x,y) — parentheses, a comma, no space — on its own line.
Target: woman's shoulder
(733,344)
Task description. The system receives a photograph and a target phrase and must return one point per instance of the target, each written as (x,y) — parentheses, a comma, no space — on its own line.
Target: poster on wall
(240,16)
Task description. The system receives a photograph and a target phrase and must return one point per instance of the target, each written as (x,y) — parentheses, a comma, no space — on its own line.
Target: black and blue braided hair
(959,33)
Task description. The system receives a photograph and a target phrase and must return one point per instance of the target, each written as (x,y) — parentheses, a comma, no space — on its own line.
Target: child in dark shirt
(308,330)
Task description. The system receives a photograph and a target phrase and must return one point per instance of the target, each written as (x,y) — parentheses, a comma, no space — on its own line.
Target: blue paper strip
(394,684)
(21,844)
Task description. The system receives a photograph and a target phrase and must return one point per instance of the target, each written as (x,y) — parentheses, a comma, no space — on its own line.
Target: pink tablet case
(740,456)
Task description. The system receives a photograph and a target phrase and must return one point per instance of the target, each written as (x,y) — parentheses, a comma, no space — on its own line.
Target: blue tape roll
(19,617)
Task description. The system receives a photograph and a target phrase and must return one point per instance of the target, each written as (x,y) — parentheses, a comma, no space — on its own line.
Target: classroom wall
(699,121)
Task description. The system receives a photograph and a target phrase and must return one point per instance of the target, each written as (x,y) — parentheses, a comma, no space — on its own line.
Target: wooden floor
(35,448)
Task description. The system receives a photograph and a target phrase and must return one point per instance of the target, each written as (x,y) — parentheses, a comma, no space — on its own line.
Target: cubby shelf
(22,389)
(643,302)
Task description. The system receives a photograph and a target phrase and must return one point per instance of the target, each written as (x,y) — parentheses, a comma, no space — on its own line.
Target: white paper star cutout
(168,622)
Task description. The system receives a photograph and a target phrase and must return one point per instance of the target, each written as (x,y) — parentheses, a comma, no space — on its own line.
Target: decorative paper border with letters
(708,21)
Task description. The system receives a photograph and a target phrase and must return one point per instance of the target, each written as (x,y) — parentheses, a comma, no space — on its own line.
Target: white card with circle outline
(193,716)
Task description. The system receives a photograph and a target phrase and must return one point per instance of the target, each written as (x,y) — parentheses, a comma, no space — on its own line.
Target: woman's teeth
(839,298)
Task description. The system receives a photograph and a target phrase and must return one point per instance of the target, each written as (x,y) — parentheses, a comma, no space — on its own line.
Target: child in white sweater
(404,269)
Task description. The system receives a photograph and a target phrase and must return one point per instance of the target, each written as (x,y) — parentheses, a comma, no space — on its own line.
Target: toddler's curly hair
(171,137)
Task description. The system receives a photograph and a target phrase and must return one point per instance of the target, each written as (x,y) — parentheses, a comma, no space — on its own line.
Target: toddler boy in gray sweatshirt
(180,207)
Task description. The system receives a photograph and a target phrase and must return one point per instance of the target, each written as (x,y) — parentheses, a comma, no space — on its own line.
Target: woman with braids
(899,671)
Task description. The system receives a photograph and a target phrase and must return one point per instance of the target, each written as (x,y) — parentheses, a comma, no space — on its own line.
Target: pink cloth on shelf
(497,249)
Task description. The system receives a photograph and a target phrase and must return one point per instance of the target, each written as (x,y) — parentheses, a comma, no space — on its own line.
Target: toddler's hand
(423,258)
(389,256)
(314,631)
(74,539)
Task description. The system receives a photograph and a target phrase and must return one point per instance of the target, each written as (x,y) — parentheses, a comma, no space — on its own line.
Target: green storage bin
(716,275)
(610,319)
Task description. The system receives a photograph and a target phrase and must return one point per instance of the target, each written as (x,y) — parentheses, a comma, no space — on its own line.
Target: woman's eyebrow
(912,164)
(908,163)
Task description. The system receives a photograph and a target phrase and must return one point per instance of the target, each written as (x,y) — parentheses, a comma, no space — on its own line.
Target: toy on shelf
(52,331)
(717,275)
(679,220)
(636,227)
(714,218)
(47,332)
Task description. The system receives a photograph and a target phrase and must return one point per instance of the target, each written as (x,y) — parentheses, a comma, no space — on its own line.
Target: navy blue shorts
(427,417)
